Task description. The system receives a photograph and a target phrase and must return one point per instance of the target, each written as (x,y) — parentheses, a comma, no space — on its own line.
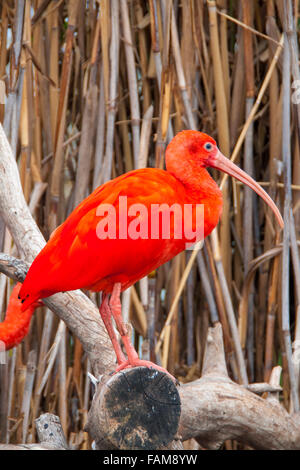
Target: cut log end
(138,408)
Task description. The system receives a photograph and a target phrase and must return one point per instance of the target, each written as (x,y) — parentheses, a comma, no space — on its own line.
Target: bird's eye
(208,146)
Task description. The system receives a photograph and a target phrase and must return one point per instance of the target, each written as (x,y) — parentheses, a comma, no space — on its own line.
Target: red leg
(116,310)
(133,358)
(105,313)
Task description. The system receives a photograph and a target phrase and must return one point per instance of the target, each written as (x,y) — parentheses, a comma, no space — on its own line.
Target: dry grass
(95,89)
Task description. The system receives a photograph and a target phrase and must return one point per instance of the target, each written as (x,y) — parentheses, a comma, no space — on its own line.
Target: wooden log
(50,434)
(50,431)
(137,408)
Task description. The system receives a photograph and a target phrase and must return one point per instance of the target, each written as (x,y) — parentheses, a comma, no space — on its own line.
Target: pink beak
(224,164)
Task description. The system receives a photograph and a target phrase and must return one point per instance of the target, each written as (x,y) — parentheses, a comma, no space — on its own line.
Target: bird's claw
(142,363)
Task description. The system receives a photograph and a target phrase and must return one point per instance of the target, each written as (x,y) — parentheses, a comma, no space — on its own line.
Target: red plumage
(75,257)
(17,321)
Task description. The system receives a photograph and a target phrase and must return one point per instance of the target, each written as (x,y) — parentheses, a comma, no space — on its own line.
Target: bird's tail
(17,320)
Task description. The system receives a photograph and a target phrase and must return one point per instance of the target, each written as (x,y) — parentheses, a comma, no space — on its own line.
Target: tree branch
(214,408)
(74,308)
(50,434)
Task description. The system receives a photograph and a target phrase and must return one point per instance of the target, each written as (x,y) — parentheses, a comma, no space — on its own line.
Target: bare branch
(216,409)
(74,308)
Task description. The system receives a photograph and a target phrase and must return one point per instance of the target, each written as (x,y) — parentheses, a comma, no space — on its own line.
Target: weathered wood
(78,312)
(50,434)
(84,320)
(50,431)
(26,447)
(216,409)
(137,408)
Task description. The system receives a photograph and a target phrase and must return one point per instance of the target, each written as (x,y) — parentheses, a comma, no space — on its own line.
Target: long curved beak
(224,164)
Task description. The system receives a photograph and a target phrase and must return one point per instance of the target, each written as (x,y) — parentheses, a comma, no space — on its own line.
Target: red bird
(81,254)
(16,323)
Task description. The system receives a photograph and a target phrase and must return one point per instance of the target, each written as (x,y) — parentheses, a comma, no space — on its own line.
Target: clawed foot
(110,308)
(141,363)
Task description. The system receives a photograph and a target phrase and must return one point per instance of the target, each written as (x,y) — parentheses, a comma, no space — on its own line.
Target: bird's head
(198,149)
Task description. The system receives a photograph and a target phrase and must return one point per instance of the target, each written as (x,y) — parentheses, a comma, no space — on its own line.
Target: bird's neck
(200,188)
(197,181)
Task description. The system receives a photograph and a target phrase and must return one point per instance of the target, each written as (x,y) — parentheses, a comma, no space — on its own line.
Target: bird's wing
(75,256)
(144,186)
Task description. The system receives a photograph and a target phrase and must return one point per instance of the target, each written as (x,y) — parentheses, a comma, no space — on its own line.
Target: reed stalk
(91,90)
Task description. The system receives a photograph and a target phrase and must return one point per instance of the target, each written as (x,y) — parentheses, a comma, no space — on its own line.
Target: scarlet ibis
(16,324)
(77,257)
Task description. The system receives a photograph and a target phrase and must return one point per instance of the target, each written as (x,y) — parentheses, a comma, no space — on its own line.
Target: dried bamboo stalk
(112,107)
(132,81)
(175,86)
(286,156)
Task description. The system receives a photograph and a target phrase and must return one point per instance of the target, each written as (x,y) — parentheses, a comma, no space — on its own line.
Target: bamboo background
(90,90)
